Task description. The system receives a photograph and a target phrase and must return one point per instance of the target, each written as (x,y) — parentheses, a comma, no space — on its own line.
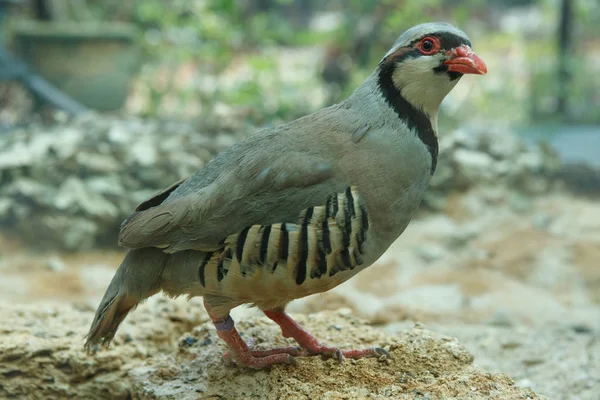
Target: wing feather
(266,179)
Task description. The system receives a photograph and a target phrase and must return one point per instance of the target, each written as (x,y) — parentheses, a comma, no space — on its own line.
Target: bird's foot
(240,353)
(311,345)
(339,354)
(293,351)
(261,359)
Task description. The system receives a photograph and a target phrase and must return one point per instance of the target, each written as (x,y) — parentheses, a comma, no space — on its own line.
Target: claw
(380,351)
(292,360)
(311,345)
(239,351)
(339,355)
(292,351)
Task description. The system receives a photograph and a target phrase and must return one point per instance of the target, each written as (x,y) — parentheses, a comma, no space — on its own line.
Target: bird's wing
(269,178)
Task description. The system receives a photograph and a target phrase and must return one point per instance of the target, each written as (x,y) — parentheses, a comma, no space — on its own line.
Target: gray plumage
(292,210)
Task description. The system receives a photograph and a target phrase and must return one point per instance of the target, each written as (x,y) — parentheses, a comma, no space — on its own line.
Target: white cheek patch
(410,68)
(420,85)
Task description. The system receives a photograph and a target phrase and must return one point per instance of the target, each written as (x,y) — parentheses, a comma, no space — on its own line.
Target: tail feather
(107,322)
(138,278)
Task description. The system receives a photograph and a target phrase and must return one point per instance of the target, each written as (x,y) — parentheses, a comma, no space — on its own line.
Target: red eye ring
(429,45)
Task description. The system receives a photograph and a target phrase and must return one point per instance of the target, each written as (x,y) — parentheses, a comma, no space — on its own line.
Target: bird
(298,208)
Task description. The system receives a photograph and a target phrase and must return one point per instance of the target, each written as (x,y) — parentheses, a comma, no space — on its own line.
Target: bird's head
(424,64)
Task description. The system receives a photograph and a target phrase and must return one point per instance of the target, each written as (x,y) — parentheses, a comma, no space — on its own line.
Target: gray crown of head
(417,32)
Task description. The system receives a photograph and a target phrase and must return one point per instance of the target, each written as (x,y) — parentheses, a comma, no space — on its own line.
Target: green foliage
(215,38)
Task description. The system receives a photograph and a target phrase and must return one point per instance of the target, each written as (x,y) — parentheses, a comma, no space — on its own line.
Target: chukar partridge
(296,209)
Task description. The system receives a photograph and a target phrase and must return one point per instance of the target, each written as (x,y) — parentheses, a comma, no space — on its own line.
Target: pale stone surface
(160,355)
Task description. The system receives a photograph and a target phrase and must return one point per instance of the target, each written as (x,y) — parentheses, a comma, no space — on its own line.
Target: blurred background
(102,103)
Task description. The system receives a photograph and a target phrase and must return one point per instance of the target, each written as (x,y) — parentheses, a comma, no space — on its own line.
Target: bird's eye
(429,45)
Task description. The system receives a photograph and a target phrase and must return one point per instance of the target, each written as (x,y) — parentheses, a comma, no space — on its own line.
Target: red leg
(241,353)
(290,328)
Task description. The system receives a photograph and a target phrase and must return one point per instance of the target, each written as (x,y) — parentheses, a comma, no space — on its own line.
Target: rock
(95,170)
(475,165)
(73,196)
(96,278)
(158,354)
(580,178)
(224,141)
(530,160)
(91,170)
(500,143)
(101,163)
(520,203)
(548,359)
(542,220)
(430,252)
(441,299)
(55,264)
(5,205)
(41,353)
(29,190)
(462,237)
(60,232)
(502,318)
(490,158)
(435,200)
(443,177)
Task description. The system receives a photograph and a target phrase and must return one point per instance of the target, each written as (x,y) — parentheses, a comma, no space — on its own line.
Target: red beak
(464,60)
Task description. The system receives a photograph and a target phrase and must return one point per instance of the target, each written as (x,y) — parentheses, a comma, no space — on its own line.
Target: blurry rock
(582,328)
(29,190)
(461,237)
(444,175)
(439,299)
(520,203)
(76,182)
(55,264)
(459,138)
(97,162)
(474,165)
(435,200)
(580,178)
(73,196)
(502,318)
(224,141)
(430,252)
(490,158)
(531,160)
(5,204)
(542,220)
(500,143)
(493,195)
(71,185)
(566,364)
(96,278)
(59,231)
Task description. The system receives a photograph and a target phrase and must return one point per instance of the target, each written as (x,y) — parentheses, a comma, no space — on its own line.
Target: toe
(380,351)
